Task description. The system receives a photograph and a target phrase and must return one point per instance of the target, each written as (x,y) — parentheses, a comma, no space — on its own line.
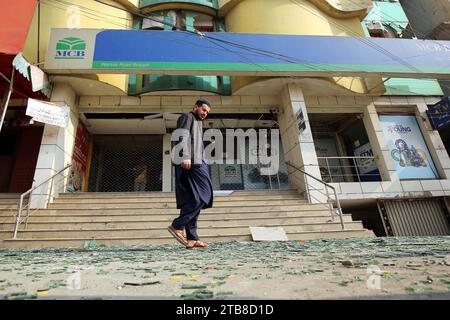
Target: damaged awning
(18,78)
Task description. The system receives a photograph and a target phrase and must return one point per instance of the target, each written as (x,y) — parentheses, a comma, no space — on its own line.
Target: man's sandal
(178,235)
(193,244)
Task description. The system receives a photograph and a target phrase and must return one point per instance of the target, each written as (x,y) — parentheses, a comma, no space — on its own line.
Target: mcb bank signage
(226,53)
(408,148)
(70,48)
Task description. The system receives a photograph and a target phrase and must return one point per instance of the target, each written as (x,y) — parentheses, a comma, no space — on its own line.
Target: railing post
(278,179)
(305,177)
(356,168)
(19,212)
(270,181)
(28,211)
(339,210)
(328,168)
(50,193)
(330,203)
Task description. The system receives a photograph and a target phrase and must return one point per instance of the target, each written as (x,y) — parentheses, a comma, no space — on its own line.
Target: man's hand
(186,164)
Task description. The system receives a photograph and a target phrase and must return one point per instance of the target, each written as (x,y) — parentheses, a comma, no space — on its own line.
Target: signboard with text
(227,53)
(48,113)
(367,163)
(439,114)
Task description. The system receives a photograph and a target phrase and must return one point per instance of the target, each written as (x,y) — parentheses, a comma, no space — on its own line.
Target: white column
(299,147)
(56,148)
(433,141)
(167,165)
(380,148)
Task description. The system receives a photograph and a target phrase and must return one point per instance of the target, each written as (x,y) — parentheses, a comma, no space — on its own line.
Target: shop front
(131,152)
(20,141)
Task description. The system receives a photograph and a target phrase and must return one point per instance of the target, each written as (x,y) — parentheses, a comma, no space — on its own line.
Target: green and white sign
(71,48)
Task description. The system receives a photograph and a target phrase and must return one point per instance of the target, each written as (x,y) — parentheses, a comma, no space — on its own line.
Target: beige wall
(288,17)
(74,14)
(300,17)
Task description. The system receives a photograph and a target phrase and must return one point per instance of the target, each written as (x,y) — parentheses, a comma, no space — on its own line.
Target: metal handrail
(374,158)
(339,166)
(22,196)
(339,209)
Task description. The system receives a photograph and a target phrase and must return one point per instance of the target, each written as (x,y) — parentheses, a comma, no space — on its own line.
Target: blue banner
(267,52)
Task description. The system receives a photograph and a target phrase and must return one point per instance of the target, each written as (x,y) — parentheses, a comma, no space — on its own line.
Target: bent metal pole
(7,98)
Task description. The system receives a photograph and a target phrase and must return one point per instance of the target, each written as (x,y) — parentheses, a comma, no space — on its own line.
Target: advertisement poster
(439,114)
(79,160)
(407,147)
(365,165)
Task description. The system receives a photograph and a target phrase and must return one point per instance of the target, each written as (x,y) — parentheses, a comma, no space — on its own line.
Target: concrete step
(8,201)
(161,231)
(147,241)
(172,194)
(304,210)
(163,199)
(140,208)
(165,205)
(9,206)
(9,196)
(73,224)
(7,212)
(144,217)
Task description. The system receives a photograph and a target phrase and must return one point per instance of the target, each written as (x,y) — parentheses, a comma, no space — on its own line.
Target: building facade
(365,134)
(437,27)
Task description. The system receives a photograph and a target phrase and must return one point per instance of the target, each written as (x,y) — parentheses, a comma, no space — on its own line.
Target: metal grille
(417,217)
(126,163)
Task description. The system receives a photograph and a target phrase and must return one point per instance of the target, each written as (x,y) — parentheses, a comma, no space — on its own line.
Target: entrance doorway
(120,161)
(19,150)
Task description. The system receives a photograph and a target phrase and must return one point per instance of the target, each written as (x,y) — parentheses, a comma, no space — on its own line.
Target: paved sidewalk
(368,268)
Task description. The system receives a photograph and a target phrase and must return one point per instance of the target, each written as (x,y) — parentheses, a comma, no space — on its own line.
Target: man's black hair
(201,102)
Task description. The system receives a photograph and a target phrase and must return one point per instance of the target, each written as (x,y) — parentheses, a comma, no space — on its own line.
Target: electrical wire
(270,53)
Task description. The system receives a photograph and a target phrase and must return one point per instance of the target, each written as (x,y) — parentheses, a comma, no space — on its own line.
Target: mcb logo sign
(70,48)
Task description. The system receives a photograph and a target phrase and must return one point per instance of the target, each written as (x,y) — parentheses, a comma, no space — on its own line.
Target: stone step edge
(171,196)
(164,228)
(300,201)
(170,237)
(301,205)
(277,224)
(164,220)
(253,191)
(263,215)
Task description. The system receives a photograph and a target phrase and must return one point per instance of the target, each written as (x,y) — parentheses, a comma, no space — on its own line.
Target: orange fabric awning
(15,20)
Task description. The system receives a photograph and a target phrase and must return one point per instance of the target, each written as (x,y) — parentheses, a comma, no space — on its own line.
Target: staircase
(126,219)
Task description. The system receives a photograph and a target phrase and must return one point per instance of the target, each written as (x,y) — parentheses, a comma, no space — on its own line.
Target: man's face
(202,111)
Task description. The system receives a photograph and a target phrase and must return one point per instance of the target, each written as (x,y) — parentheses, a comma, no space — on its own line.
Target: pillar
(379,145)
(56,148)
(434,142)
(299,146)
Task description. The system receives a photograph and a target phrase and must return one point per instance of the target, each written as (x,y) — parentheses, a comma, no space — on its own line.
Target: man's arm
(185,122)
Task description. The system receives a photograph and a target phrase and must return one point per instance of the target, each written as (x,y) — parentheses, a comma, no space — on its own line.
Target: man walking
(193,182)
